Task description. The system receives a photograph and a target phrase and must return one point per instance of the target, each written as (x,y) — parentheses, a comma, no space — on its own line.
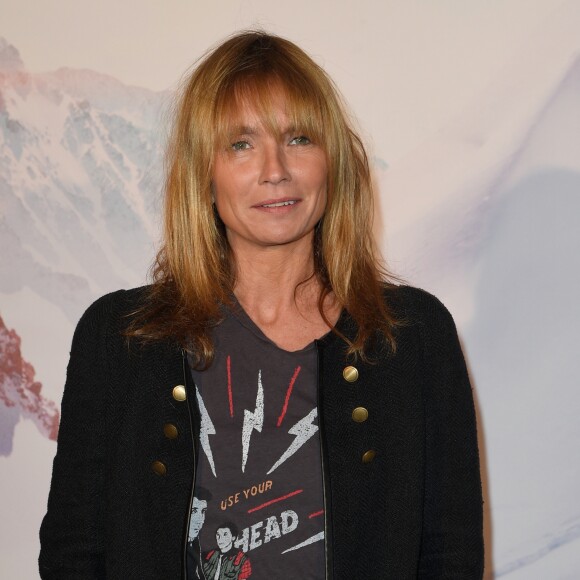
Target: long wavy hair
(194,272)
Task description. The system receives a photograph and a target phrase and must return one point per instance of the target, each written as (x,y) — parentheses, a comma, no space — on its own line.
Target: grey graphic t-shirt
(258,508)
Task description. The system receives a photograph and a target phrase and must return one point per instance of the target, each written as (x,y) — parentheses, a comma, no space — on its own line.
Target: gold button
(179,393)
(350,374)
(368,456)
(360,414)
(170,431)
(159,468)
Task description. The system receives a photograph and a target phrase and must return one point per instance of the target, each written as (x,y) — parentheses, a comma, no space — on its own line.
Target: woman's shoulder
(423,317)
(415,306)
(113,309)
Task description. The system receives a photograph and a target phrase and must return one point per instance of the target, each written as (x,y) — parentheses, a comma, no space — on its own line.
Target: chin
(282,238)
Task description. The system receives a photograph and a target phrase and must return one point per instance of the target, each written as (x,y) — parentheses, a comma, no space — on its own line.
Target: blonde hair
(193,274)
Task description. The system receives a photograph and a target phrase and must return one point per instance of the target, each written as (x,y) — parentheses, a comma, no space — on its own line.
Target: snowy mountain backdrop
(80,178)
(485,215)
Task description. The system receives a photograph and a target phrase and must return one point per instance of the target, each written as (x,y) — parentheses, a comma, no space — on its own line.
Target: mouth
(271,204)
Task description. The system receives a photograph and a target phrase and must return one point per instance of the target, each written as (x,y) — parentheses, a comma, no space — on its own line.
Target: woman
(270,376)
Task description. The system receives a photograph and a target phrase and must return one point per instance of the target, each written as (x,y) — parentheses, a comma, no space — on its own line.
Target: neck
(267,278)
(277,288)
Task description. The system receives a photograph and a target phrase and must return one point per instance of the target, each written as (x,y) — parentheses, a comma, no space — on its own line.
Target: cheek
(222,198)
(319,176)
(218,190)
(223,182)
(229,192)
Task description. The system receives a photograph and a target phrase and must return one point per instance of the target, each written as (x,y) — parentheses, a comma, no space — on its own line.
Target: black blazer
(119,500)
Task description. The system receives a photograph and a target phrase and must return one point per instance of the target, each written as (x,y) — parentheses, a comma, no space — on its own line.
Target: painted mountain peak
(20,393)
(80,180)
(9,57)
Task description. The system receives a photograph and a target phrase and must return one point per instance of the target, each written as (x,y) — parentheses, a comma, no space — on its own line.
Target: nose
(274,168)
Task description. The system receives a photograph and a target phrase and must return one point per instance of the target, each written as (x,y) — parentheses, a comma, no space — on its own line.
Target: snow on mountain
(80,188)
(522,343)
(20,394)
(502,251)
(80,176)
(439,193)
(523,337)
(25,484)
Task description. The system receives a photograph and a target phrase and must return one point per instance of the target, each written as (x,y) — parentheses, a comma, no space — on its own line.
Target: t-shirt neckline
(245,320)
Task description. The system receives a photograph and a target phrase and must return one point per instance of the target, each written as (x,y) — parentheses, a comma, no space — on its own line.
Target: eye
(301,140)
(240,145)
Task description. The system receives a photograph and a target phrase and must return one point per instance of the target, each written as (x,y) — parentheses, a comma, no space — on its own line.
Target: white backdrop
(472,113)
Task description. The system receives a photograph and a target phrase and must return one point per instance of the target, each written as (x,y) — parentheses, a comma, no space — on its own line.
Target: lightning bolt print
(303,430)
(311,540)
(205,430)
(252,421)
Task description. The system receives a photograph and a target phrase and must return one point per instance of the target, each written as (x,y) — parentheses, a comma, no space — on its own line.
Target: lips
(274,203)
(279,204)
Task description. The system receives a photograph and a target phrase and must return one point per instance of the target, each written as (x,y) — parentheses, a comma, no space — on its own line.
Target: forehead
(251,112)
(197,503)
(270,106)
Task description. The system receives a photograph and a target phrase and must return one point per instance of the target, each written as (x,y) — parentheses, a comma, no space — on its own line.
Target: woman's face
(270,190)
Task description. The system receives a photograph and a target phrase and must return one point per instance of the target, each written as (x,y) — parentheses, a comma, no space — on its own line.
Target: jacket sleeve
(71,535)
(452,535)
